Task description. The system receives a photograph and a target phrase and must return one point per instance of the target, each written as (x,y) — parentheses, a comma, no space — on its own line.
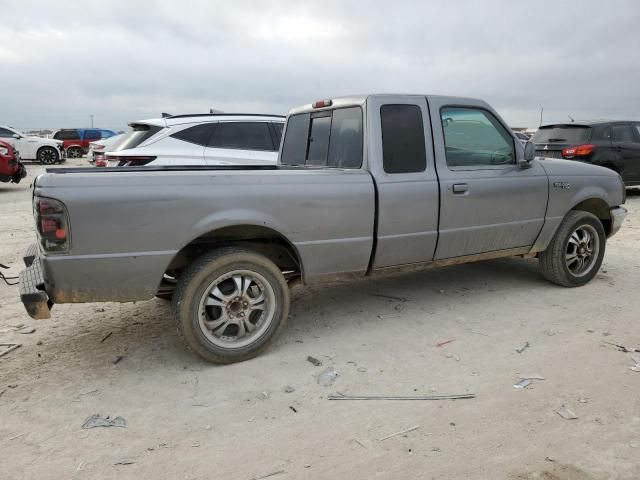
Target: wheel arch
(598,207)
(260,238)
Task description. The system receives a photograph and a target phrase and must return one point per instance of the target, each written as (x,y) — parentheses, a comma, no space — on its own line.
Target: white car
(44,150)
(200,139)
(97,149)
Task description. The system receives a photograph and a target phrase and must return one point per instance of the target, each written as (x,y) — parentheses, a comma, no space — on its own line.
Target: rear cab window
(573,134)
(328,138)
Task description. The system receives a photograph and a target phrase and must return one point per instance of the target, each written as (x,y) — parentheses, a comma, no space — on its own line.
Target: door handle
(460,188)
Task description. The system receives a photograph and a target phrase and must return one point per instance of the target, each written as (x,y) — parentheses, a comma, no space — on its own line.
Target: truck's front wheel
(576,251)
(229,304)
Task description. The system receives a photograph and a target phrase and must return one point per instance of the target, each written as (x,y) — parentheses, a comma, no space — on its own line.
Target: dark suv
(76,140)
(615,145)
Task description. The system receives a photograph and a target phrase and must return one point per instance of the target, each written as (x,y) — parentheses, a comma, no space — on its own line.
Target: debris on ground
(622,348)
(523,348)
(590,330)
(27,330)
(526,380)
(566,413)
(293,409)
(118,359)
(359,443)
(314,361)
(8,347)
(418,397)
(636,364)
(264,395)
(125,461)
(327,377)
(522,384)
(451,355)
(17,436)
(289,389)
(445,342)
(98,421)
(401,432)
(106,336)
(362,369)
(272,474)
(389,297)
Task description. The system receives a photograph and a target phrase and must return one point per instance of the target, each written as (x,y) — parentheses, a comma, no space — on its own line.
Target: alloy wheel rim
(236,308)
(47,156)
(583,248)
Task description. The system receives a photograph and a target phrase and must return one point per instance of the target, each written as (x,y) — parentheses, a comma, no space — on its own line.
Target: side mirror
(16,136)
(529,154)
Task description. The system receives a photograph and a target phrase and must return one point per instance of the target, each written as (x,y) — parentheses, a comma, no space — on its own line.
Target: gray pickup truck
(363,185)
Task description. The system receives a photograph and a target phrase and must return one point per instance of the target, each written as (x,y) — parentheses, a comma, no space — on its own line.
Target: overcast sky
(126,60)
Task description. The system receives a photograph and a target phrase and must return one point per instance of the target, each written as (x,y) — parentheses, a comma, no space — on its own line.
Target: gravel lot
(190,420)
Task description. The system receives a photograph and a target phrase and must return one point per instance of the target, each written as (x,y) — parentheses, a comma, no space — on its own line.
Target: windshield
(138,134)
(562,134)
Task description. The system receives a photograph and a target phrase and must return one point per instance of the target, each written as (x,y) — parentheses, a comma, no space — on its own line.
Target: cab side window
(474,137)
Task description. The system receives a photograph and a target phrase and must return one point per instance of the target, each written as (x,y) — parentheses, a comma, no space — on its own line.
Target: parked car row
(11,168)
(76,140)
(614,145)
(195,139)
(44,150)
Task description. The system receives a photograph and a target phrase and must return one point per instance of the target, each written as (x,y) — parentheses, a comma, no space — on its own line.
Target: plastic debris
(566,413)
(419,397)
(327,377)
(125,461)
(106,336)
(522,384)
(445,342)
(8,347)
(523,348)
(98,421)
(118,359)
(289,389)
(533,376)
(314,361)
(636,366)
(401,432)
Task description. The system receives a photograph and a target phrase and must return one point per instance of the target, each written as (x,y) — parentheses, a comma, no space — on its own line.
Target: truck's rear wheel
(229,304)
(576,251)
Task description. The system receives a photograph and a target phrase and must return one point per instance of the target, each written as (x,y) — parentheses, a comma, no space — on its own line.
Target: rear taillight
(579,151)
(131,161)
(52,224)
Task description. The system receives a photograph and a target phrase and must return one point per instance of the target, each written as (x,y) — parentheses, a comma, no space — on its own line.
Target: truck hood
(558,167)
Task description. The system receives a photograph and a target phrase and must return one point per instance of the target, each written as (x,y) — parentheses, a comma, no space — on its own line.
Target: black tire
(194,284)
(74,152)
(48,156)
(553,261)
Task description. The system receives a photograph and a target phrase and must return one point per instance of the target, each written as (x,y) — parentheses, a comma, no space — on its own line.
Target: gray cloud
(123,60)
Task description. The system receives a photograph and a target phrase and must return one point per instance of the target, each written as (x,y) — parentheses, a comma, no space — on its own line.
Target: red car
(11,168)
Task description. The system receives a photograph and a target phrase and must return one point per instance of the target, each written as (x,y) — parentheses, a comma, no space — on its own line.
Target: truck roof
(351,100)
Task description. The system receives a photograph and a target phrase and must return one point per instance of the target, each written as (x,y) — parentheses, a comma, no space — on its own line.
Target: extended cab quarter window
(331,138)
(474,137)
(242,135)
(403,148)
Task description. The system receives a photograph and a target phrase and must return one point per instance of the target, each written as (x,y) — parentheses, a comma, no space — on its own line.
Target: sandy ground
(190,420)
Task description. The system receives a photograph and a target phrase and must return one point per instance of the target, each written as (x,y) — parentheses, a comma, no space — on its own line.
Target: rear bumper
(32,293)
(618,215)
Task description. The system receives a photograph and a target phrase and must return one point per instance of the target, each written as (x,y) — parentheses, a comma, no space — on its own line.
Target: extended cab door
(401,159)
(487,202)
